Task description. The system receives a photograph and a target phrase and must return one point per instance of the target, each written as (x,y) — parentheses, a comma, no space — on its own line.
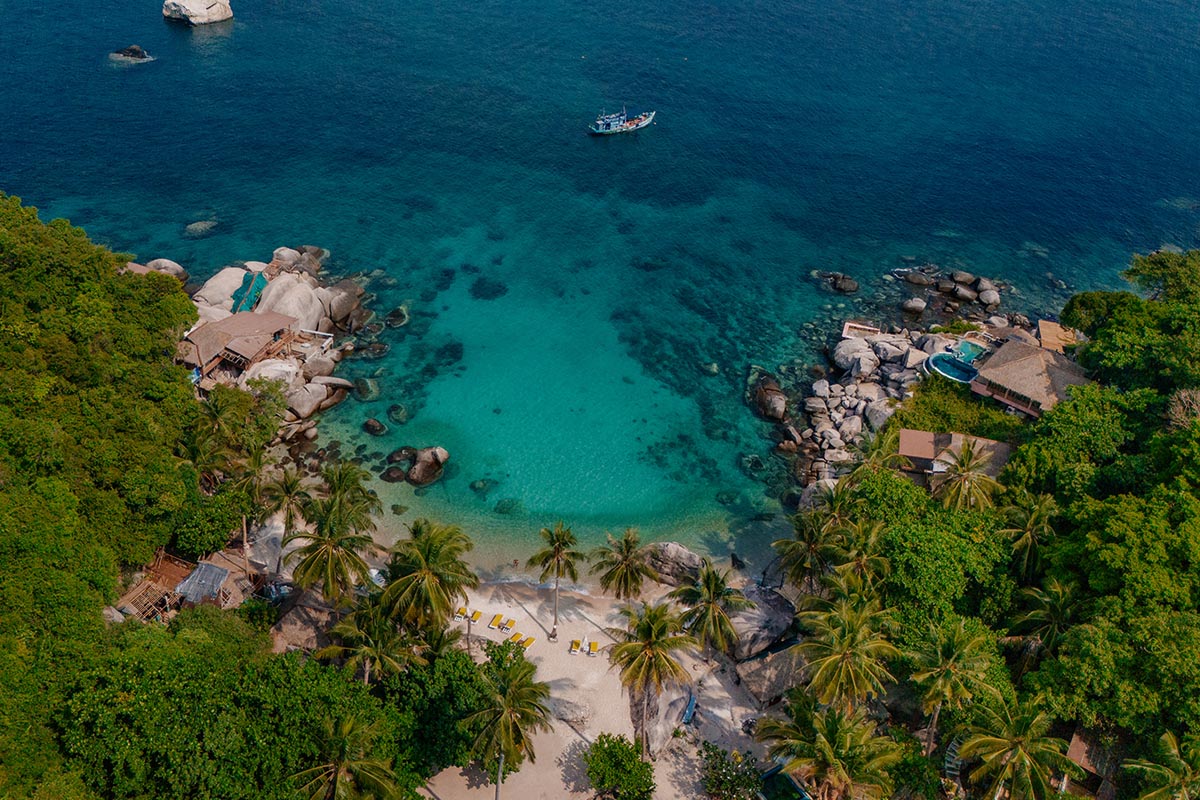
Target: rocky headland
(821,416)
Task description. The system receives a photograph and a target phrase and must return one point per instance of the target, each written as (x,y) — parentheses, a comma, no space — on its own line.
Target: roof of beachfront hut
(244,334)
(1040,375)
(1056,337)
(1097,758)
(922,448)
(203,584)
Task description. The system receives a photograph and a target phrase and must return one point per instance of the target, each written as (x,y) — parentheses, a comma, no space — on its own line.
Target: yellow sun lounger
(462,612)
(495,623)
(593,648)
(576,646)
(476,617)
(508,625)
(528,643)
(516,637)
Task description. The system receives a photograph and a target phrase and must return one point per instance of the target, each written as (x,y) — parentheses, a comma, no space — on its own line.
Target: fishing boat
(607,124)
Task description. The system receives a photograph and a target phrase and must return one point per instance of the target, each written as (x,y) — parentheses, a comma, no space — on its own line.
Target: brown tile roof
(925,446)
(1039,374)
(244,333)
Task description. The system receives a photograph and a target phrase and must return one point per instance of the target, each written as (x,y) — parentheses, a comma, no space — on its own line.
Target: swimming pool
(967,351)
(952,368)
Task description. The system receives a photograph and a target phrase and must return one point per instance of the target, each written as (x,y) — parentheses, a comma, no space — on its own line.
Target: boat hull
(635,124)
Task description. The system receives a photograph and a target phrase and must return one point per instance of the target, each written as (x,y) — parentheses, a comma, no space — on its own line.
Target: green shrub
(729,776)
(616,770)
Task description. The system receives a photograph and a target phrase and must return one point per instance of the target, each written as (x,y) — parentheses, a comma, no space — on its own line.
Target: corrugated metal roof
(204,583)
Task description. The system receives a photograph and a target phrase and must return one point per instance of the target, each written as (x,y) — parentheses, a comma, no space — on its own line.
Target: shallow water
(444,144)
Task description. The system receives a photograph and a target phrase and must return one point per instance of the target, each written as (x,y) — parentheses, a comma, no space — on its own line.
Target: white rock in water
(197,12)
(290,294)
(847,351)
(820,388)
(989,297)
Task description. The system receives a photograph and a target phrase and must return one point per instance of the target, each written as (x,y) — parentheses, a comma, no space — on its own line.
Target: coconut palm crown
(709,600)
(623,565)
(427,577)
(558,558)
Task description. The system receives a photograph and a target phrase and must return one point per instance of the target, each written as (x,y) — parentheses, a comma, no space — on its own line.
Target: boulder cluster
(418,466)
(950,292)
(294,290)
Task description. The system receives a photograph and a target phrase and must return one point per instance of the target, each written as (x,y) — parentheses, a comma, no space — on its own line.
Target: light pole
(468,634)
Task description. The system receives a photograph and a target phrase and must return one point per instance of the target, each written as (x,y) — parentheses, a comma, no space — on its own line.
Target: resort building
(1057,337)
(1027,377)
(1100,762)
(219,351)
(929,454)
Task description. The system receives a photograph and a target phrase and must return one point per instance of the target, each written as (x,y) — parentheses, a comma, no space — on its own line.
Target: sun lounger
(508,625)
(462,612)
(476,617)
(516,637)
(576,646)
(593,648)
(528,643)
(495,623)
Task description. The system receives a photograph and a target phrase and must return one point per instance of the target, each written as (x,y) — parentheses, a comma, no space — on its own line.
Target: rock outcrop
(760,627)
(428,466)
(197,12)
(673,562)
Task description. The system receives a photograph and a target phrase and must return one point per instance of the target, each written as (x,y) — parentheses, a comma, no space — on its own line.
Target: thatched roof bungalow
(1028,378)
(237,341)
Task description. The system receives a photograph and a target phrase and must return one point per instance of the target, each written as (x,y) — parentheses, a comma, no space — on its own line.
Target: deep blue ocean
(442,147)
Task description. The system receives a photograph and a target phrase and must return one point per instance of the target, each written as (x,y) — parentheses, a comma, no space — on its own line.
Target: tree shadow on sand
(574,770)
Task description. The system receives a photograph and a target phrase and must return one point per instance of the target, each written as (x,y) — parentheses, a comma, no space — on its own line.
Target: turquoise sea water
(444,145)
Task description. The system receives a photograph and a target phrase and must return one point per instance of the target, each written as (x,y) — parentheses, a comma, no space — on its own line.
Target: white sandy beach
(592,691)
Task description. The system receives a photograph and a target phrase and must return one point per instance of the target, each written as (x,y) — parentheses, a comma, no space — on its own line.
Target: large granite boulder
(673,562)
(847,351)
(879,412)
(296,296)
(218,290)
(760,627)
(284,370)
(168,267)
(305,401)
(569,711)
(197,12)
(769,398)
(428,466)
(317,365)
(989,298)
(340,300)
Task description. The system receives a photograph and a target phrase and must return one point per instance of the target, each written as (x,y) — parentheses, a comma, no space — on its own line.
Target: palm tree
(878,451)
(346,486)
(203,451)
(1175,773)
(807,556)
(1015,752)
(1031,522)
(860,551)
(847,654)
(966,485)
(558,558)
(437,640)
(371,642)
(709,600)
(218,410)
(949,665)
(428,576)
(623,565)
(250,483)
(1050,614)
(286,493)
(332,555)
(837,752)
(645,651)
(347,770)
(837,505)
(516,709)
